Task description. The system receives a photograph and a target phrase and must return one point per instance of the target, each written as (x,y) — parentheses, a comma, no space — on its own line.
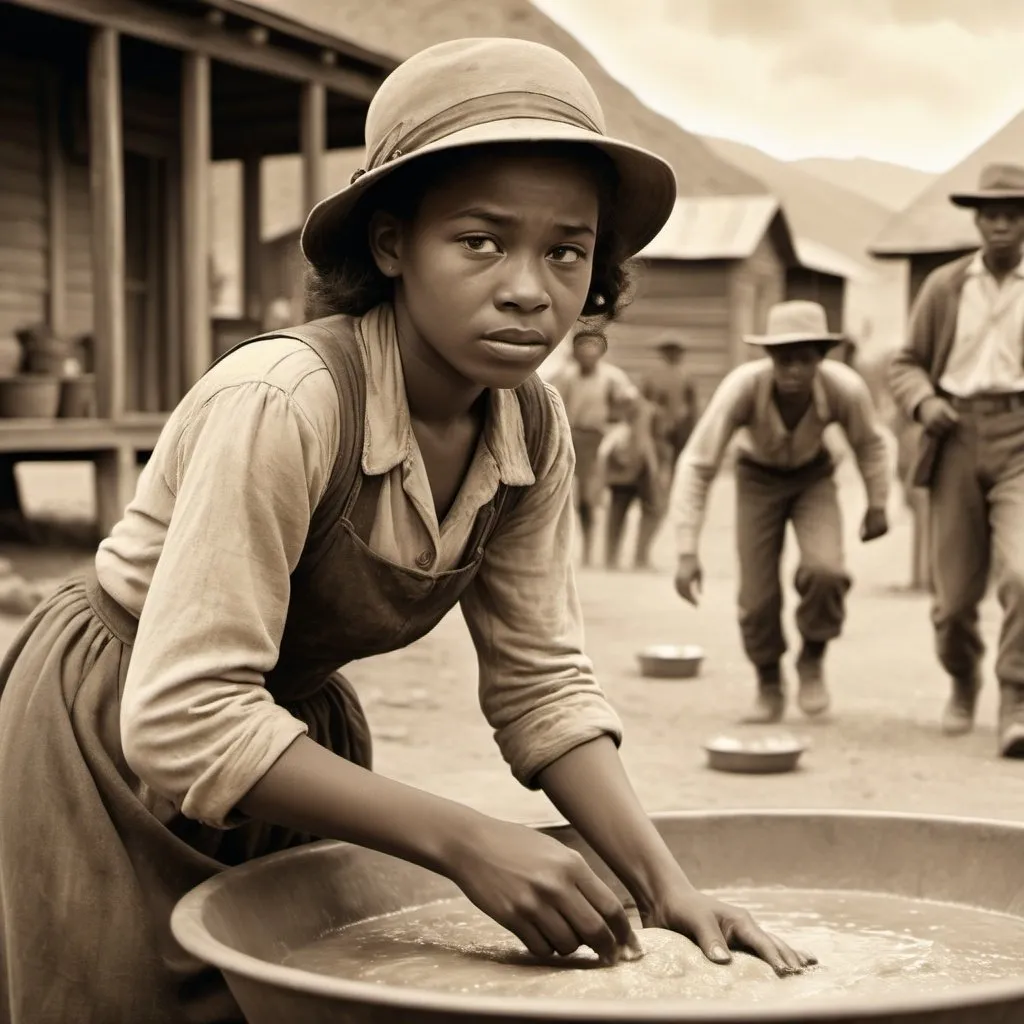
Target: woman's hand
(540,890)
(717,927)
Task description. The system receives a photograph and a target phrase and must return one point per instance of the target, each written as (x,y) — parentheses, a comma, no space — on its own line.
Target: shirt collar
(977,268)
(388,439)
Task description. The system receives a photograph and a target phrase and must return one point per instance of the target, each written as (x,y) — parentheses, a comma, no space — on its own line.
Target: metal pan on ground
(671,661)
(764,755)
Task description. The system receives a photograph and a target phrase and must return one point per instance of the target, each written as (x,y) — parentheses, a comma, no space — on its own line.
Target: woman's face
(494,268)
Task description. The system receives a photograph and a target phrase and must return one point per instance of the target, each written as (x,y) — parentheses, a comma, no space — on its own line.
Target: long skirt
(88,875)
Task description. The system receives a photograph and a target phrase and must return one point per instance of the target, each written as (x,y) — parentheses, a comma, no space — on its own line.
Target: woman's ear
(386,243)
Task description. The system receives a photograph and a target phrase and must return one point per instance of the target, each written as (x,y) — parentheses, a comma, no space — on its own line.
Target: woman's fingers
(772,951)
(532,938)
(609,908)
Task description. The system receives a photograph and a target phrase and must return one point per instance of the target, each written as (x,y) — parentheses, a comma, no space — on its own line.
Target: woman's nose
(523,286)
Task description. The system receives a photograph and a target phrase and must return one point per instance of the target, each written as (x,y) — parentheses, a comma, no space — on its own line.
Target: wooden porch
(111,114)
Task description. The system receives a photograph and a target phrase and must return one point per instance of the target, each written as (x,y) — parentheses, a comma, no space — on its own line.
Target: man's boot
(813,695)
(770,703)
(958,716)
(1011,721)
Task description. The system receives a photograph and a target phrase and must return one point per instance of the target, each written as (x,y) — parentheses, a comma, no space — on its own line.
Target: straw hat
(790,323)
(466,92)
(996,183)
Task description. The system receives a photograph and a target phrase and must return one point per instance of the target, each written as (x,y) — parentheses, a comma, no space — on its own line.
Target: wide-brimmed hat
(468,92)
(669,343)
(996,183)
(794,322)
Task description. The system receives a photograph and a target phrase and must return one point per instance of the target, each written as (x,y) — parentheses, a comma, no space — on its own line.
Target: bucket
(78,397)
(29,396)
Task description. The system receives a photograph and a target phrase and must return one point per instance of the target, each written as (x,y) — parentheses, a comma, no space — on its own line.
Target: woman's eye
(479,243)
(566,254)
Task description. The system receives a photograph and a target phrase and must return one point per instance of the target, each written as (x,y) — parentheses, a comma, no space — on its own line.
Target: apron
(88,876)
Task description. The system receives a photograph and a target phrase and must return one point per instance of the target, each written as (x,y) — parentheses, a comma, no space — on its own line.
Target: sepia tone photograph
(511,511)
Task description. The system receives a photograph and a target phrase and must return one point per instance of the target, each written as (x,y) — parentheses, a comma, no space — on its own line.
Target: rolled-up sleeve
(538,689)
(198,725)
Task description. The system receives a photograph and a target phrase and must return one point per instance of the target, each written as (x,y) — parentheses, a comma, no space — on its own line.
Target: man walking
(961,376)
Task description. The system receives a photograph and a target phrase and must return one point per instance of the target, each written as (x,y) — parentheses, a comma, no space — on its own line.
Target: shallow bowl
(671,661)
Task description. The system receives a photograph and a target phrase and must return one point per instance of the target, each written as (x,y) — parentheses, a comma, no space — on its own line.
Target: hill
(892,185)
(817,209)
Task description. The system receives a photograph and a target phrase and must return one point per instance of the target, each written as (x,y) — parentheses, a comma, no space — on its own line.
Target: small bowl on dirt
(765,755)
(671,661)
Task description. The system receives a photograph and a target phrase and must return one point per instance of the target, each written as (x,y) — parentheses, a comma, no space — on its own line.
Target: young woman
(778,408)
(329,493)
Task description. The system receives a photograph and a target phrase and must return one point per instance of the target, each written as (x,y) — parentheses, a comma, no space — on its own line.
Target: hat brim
(644,202)
(796,338)
(976,199)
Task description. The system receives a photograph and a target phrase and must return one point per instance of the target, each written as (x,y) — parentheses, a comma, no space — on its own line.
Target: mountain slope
(892,185)
(401,27)
(817,209)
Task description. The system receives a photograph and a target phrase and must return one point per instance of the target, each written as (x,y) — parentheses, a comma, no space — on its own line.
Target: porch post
(197,337)
(314,143)
(252,203)
(106,183)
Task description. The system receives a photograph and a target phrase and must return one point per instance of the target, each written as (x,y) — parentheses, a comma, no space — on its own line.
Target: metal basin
(246,920)
(764,756)
(671,661)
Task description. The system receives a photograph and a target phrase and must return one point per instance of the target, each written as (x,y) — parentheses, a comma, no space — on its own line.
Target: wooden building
(711,276)
(110,115)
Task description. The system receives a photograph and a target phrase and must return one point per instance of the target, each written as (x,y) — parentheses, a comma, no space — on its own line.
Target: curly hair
(353,284)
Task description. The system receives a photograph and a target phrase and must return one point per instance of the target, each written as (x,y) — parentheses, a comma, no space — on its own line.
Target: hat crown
(797,316)
(1001,178)
(448,86)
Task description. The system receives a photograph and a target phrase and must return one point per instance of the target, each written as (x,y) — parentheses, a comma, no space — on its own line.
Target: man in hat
(778,408)
(593,392)
(961,376)
(670,388)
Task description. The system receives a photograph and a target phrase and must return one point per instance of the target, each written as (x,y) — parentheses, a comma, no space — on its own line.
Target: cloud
(920,82)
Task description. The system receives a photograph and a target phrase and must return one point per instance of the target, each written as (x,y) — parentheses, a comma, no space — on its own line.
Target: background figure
(630,467)
(780,407)
(670,389)
(591,389)
(961,377)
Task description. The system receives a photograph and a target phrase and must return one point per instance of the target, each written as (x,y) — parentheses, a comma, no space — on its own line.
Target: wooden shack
(710,277)
(110,116)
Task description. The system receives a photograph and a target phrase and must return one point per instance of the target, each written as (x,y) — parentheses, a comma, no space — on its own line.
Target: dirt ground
(880,749)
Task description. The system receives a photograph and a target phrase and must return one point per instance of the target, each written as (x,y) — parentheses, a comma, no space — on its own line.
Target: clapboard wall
(24,243)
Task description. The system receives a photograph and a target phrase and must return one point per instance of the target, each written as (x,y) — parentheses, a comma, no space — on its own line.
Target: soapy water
(866,943)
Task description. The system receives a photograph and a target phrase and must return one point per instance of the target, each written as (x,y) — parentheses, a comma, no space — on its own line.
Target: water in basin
(868,944)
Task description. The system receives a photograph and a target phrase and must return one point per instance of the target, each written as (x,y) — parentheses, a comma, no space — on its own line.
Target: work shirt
(988,348)
(590,398)
(276,407)
(743,408)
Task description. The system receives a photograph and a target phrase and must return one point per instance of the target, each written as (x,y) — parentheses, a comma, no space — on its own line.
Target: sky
(914,82)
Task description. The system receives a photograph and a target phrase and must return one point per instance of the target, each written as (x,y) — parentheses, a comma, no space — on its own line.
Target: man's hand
(875,525)
(688,578)
(937,416)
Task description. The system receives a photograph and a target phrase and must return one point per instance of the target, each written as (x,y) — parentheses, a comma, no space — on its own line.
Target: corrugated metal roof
(825,260)
(714,228)
(931,223)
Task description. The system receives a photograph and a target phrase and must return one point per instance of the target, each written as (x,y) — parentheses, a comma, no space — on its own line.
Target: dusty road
(881,748)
